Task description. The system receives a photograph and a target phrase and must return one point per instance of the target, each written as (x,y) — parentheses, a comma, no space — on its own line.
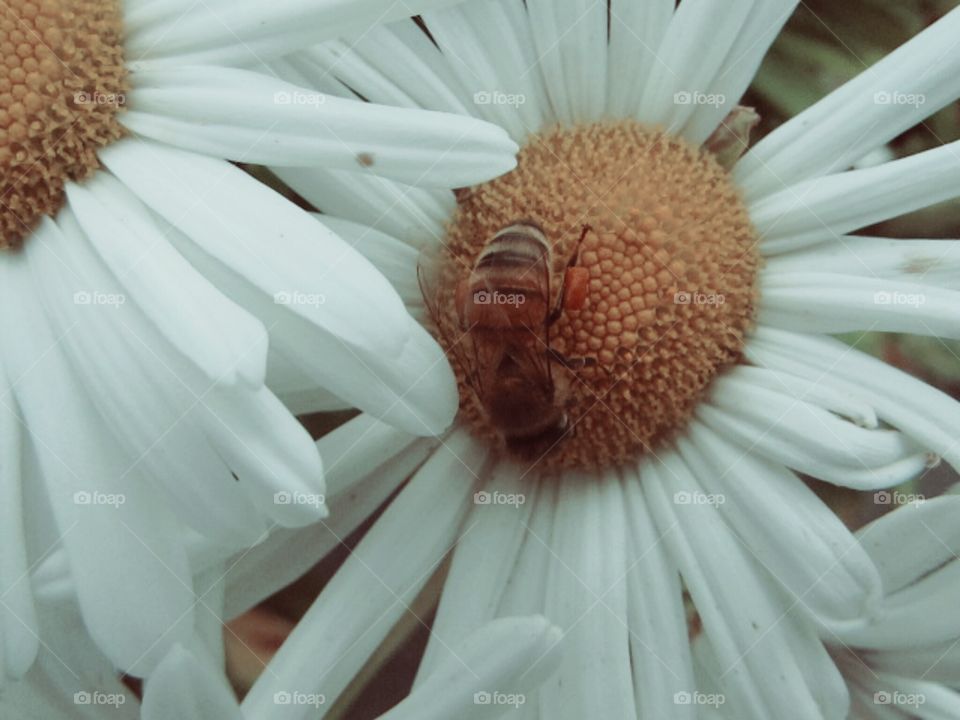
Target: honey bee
(505,308)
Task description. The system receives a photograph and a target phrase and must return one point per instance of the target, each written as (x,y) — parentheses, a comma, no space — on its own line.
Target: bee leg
(570,363)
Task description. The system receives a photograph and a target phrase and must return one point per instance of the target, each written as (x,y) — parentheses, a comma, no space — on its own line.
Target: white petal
(801,434)
(509,657)
(366,462)
(395,65)
(917,409)
(896,93)
(130,572)
(482,566)
(736,72)
(767,664)
(913,540)
(392,257)
(488,56)
(920,615)
(587,597)
(19,643)
(659,640)
(527,590)
(244,31)
(699,37)
(128,365)
(275,254)
(933,262)
(636,30)
(823,302)
(243,115)
(800,540)
(371,590)
(814,210)
(71,680)
(183,688)
(413,215)
(225,342)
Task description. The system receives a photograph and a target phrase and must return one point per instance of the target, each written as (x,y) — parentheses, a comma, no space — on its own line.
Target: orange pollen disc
(62,82)
(658,301)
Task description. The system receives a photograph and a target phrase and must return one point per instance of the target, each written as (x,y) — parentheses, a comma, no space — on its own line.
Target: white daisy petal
(225,342)
(659,640)
(767,666)
(482,566)
(122,546)
(913,540)
(894,94)
(699,37)
(367,461)
(392,257)
(921,614)
(825,302)
(917,409)
(787,527)
(551,22)
(184,688)
(68,671)
(244,31)
(803,435)
(414,215)
(810,211)
(636,29)
(527,590)
(483,51)
(933,262)
(398,60)
(587,596)
(822,393)
(112,346)
(242,115)
(279,254)
(939,662)
(19,642)
(736,72)
(509,657)
(370,591)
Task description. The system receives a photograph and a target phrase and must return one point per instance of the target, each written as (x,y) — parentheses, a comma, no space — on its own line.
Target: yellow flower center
(62,82)
(672,261)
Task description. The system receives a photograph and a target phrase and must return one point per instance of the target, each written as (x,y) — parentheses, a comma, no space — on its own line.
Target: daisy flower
(158,304)
(679,394)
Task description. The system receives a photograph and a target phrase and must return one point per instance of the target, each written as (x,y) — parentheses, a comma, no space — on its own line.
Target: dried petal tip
(62,82)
